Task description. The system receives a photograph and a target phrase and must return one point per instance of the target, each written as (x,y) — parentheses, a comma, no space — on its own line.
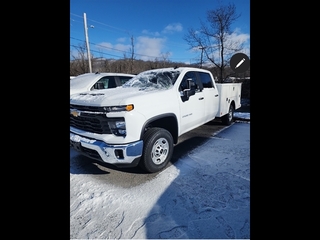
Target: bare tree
(214,38)
(79,64)
(165,59)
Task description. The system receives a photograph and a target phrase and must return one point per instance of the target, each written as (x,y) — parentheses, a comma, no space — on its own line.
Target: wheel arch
(167,121)
(233,103)
(227,119)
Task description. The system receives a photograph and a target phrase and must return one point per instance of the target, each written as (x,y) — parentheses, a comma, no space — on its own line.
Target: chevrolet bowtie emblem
(75,113)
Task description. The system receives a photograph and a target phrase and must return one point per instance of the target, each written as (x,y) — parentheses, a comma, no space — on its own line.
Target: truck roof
(178,68)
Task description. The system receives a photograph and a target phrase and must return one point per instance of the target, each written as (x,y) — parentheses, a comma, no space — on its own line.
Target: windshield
(154,79)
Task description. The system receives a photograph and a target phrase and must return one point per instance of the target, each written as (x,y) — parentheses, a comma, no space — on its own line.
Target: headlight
(122,108)
(118,128)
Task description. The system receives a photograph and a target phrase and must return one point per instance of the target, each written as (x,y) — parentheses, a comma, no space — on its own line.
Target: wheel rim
(160,151)
(230,114)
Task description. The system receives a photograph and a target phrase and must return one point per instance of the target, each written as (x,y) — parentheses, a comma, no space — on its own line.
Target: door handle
(201,98)
(217,95)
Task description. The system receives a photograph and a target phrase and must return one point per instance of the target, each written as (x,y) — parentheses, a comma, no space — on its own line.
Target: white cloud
(236,37)
(241,37)
(150,47)
(147,48)
(174,27)
(106,45)
(123,39)
(122,47)
(118,49)
(171,28)
(147,32)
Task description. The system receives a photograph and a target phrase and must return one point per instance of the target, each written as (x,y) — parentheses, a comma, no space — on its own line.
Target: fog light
(119,153)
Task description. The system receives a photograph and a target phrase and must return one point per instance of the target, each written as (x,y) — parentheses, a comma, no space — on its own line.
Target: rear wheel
(157,149)
(228,118)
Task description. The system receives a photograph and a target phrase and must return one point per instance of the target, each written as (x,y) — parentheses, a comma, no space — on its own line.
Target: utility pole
(87,41)
(202,48)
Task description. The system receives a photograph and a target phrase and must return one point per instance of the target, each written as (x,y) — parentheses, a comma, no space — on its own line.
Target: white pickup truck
(138,123)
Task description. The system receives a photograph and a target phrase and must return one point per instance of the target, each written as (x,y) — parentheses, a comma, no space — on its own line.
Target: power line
(114,49)
(120,30)
(100,52)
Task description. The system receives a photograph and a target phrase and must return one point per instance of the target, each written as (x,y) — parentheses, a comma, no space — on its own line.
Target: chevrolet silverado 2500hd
(139,122)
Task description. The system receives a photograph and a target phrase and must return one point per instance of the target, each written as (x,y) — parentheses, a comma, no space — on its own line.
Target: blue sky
(158,27)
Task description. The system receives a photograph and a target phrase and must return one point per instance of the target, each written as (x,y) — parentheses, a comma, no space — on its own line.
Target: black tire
(157,150)
(228,118)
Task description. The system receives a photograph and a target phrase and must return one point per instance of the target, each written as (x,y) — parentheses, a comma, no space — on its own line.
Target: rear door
(211,96)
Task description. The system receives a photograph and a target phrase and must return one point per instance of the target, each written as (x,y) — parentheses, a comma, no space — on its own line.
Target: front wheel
(157,149)
(228,118)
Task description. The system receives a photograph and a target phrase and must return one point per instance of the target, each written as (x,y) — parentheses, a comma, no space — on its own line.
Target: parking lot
(203,193)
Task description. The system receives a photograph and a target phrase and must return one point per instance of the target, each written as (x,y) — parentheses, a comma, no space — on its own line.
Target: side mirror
(191,90)
(190,84)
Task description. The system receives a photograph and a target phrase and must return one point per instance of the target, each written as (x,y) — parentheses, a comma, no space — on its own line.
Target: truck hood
(115,96)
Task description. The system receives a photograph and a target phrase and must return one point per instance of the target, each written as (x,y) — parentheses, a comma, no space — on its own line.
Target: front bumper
(125,154)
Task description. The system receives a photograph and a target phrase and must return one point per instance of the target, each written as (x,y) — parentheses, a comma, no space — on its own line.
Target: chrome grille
(91,119)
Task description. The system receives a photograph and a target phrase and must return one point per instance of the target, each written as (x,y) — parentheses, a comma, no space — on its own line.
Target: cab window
(206,80)
(107,82)
(183,84)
